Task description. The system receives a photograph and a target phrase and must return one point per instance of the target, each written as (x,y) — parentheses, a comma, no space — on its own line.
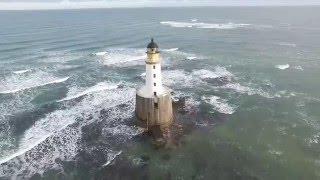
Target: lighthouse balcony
(147,93)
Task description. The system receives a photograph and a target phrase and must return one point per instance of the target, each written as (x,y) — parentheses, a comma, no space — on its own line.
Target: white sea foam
(246,90)
(98,87)
(100,53)
(283,67)
(177,95)
(285,93)
(171,50)
(275,152)
(218,72)
(18,103)
(298,68)
(111,157)
(308,120)
(16,84)
(204,25)
(191,57)
(57,135)
(178,78)
(21,71)
(191,104)
(121,130)
(42,130)
(219,104)
(143,75)
(287,44)
(196,77)
(194,20)
(124,57)
(181,78)
(138,161)
(59,57)
(175,54)
(185,55)
(62,145)
(61,119)
(315,139)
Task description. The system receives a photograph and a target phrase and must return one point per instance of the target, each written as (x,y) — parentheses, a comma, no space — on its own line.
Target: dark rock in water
(166,157)
(145,158)
(170,137)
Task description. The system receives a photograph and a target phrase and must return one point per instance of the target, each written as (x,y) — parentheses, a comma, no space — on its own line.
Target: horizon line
(137,7)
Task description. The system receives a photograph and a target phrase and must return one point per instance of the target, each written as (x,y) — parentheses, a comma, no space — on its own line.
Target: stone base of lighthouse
(154,111)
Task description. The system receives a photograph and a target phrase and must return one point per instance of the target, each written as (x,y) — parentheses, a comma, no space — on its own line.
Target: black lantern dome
(152,45)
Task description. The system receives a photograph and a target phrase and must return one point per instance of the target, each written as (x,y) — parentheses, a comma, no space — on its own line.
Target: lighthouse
(153,100)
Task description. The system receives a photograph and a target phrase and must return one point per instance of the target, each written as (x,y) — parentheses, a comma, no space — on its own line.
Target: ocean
(245,84)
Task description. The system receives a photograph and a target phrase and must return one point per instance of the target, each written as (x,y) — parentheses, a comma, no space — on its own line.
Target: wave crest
(203,25)
(219,104)
(15,84)
(282,67)
(98,87)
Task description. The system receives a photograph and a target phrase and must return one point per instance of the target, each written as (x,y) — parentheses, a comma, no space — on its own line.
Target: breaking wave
(298,68)
(100,53)
(315,139)
(57,134)
(170,50)
(191,58)
(191,104)
(58,57)
(204,25)
(219,104)
(123,57)
(283,67)
(21,71)
(246,90)
(287,44)
(143,75)
(224,78)
(186,79)
(98,87)
(218,72)
(178,78)
(111,156)
(177,54)
(15,84)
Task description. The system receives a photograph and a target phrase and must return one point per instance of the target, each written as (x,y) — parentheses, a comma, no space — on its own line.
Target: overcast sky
(76,4)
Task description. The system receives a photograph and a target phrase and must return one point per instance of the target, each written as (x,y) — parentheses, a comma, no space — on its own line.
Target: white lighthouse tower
(153,101)
(153,85)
